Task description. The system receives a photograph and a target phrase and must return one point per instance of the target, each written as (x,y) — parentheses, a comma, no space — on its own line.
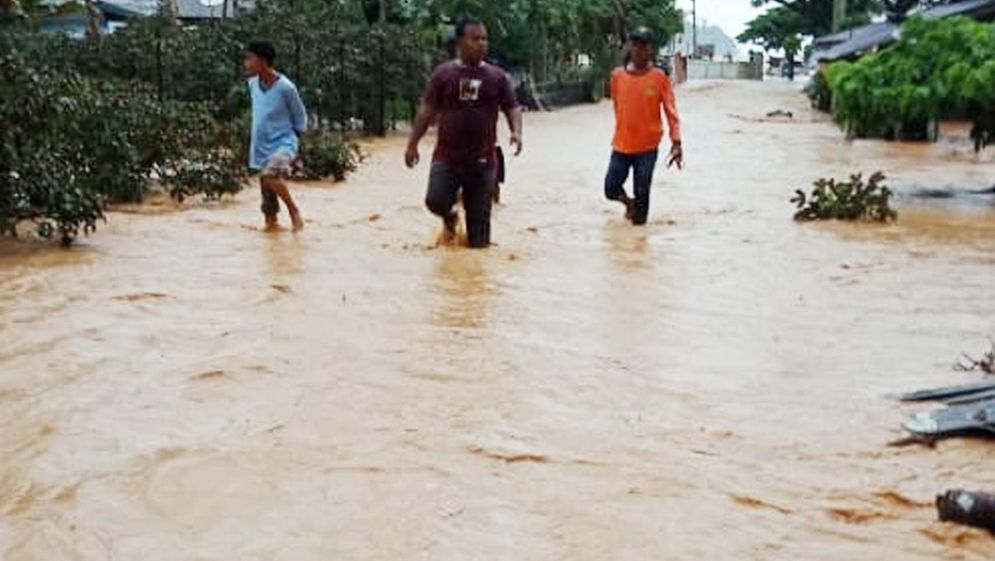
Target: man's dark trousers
(475,181)
(643,166)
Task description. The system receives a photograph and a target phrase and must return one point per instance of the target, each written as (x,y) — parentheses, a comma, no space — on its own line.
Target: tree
(169,11)
(815,17)
(10,7)
(524,32)
(10,11)
(784,25)
(897,10)
(94,19)
(778,29)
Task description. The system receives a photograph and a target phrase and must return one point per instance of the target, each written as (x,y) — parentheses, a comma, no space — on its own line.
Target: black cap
(642,35)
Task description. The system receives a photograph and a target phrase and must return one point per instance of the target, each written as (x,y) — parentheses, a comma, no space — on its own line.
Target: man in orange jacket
(639,91)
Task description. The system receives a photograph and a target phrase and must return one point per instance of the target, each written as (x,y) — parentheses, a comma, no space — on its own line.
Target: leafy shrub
(212,174)
(819,93)
(939,69)
(70,143)
(45,172)
(44,190)
(846,200)
(326,154)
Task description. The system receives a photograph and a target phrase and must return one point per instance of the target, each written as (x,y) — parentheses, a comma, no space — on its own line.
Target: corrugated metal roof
(977,8)
(188,9)
(859,40)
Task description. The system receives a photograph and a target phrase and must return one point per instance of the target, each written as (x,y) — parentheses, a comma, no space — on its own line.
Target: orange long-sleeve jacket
(638,99)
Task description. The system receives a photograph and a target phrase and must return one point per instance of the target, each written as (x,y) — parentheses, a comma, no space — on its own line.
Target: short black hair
(262,49)
(465,23)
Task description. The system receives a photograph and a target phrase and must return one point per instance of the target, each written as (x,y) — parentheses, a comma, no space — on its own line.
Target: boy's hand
(411,156)
(676,156)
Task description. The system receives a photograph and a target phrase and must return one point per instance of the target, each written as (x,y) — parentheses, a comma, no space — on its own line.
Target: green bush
(325,154)
(212,174)
(819,93)
(45,191)
(46,174)
(70,143)
(846,200)
(939,69)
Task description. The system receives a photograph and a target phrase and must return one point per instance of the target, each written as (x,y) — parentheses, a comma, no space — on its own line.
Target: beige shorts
(280,165)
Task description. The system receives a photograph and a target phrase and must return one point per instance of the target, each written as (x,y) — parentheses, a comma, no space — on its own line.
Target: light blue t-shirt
(278,115)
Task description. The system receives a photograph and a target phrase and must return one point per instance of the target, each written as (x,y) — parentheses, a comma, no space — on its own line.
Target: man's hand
(411,156)
(516,141)
(676,156)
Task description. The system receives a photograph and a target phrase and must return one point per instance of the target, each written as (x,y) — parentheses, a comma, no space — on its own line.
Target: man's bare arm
(674,125)
(515,123)
(426,116)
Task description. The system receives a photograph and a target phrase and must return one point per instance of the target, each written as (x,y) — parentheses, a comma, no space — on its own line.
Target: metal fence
(350,79)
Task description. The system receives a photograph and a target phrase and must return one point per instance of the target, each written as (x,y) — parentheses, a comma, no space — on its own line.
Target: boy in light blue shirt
(278,119)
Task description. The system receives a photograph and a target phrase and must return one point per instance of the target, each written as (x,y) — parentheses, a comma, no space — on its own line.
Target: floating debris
(968,508)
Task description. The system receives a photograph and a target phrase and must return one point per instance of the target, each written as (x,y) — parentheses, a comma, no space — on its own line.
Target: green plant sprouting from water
(854,199)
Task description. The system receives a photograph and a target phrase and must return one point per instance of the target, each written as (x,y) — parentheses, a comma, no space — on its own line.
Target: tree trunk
(791,66)
(94,19)
(170,12)
(839,14)
(897,10)
(10,7)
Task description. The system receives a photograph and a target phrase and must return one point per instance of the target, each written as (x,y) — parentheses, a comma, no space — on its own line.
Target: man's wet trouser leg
(443,190)
(445,183)
(643,167)
(618,174)
(478,186)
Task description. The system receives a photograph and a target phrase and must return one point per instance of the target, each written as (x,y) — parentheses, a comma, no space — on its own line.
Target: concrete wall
(705,70)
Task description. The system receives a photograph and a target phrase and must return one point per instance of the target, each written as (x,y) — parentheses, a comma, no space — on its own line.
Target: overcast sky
(730,15)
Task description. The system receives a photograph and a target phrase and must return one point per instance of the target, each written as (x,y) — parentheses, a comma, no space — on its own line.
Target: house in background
(70,17)
(713,43)
(853,43)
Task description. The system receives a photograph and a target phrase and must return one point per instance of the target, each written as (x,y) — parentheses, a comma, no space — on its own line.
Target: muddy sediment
(186,387)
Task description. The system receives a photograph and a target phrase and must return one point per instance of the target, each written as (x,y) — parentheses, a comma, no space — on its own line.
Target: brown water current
(184,387)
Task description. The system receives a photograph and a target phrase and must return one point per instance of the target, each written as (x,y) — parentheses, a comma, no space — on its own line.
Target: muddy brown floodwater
(183,387)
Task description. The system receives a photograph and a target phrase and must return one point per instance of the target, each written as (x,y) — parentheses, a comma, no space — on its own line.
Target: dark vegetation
(325,154)
(984,364)
(938,70)
(853,199)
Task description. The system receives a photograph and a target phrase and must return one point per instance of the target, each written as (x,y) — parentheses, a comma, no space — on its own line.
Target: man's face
(473,43)
(253,64)
(641,52)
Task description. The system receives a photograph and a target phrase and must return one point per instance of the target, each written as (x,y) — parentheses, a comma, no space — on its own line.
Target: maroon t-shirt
(468,99)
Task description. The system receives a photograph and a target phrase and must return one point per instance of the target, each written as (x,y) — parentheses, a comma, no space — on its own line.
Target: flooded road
(184,387)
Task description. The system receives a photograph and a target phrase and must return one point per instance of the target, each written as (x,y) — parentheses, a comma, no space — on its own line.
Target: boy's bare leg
(278,186)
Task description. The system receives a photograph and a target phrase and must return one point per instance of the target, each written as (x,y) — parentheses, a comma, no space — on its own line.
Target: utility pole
(839,14)
(694,28)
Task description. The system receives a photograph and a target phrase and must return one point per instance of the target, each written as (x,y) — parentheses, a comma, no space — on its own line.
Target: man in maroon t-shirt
(466,96)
